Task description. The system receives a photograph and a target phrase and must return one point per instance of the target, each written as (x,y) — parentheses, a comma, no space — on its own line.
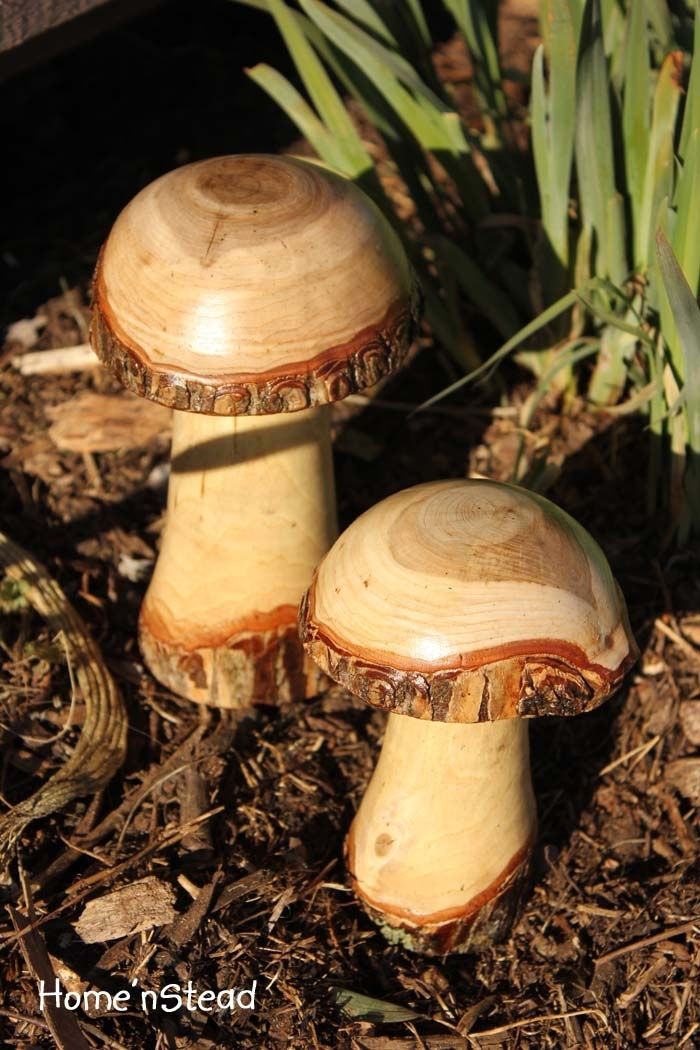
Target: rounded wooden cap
(252,284)
(469,601)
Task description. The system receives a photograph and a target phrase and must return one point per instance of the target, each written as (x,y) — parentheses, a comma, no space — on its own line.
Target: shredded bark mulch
(216,854)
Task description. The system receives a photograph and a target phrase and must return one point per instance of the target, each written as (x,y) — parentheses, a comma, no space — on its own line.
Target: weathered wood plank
(24,19)
(33,31)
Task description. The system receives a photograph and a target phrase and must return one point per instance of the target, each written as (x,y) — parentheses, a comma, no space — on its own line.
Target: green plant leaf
(364,1008)
(560,37)
(594,149)
(297,109)
(686,239)
(360,46)
(541,321)
(476,20)
(561,361)
(686,313)
(691,118)
(610,374)
(636,107)
(362,11)
(479,289)
(323,94)
(436,128)
(659,167)
(419,19)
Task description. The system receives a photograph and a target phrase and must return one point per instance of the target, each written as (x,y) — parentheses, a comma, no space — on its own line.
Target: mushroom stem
(440,848)
(251,509)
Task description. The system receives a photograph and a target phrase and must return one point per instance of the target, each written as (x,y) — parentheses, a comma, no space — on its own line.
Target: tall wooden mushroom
(245,292)
(462,607)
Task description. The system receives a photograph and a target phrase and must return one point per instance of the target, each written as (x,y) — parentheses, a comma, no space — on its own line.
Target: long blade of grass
(416,11)
(402,27)
(362,11)
(323,94)
(359,45)
(492,302)
(614,33)
(636,109)
(686,242)
(560,39)
(594,148)
(437,129)
(541,321)
(476,21)
(659,168)
(298,110)
(691,117)
(608,318)
(660,18)
(686,313)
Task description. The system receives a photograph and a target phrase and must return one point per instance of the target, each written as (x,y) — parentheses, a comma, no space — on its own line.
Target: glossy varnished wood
(249,284)
(251,509)
(469,601)
(245,291)
(460,602)
(440,850)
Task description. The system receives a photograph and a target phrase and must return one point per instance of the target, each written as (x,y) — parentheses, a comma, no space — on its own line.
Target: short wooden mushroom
(463,608)
(246,292)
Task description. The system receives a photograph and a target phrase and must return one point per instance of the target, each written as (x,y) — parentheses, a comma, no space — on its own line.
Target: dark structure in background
(89,121)
(33,30)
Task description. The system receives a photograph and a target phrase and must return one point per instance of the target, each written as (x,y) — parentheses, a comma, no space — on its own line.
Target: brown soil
(610,936)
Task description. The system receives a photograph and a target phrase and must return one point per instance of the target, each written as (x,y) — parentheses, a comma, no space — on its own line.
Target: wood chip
(684,774)
(689,715)
(186,925)
(430,1042)
(106,422)
(25,332)
(128,910)
(192,791)
(51,362)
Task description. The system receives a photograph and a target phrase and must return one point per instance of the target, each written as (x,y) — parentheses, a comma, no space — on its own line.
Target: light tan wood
(269,276)
(440,846)
(91,422)
(469,600)
(251,509)
(460,602)
(234,288)
(55,362)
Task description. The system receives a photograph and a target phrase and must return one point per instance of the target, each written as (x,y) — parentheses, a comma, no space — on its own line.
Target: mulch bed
(609,939)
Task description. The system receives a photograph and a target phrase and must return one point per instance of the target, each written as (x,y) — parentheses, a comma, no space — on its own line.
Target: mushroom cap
(252,284)
(469,601)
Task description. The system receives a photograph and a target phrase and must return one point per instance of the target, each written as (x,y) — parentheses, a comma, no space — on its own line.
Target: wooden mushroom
(463,608)
(245,292)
